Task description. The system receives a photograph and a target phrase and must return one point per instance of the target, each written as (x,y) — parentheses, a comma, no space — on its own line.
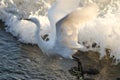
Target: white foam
(103,31)
(22,29)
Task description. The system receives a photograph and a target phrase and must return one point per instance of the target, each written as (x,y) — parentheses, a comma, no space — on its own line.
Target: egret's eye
(45,37)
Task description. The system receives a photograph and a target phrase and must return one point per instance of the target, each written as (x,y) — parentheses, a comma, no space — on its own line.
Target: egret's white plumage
(69,26)
(58,11)
(66,38)
(64,41)
(59,48)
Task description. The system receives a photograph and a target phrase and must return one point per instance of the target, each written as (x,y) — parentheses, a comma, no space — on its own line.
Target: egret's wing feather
(67,33)
(67,29)
(58,11)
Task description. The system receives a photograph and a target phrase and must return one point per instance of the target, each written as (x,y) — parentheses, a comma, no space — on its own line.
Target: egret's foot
(80,75)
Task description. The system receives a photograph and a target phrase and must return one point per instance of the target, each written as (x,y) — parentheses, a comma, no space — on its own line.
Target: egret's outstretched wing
(58,10)
(67,33)
(68,27)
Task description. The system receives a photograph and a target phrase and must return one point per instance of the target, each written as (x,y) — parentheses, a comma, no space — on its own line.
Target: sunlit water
(26,62)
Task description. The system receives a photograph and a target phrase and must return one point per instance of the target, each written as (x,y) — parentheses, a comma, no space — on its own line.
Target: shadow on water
(26,62)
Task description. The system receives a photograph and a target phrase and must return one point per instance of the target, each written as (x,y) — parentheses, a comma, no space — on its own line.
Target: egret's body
(58,48)
(66,35)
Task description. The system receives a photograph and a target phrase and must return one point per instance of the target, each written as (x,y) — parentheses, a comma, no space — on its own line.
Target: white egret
(66,38)
(60,47)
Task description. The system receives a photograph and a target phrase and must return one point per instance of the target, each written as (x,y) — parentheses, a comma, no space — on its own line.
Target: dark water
(26,62)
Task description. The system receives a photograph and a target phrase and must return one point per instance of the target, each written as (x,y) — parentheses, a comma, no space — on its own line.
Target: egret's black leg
(80,68)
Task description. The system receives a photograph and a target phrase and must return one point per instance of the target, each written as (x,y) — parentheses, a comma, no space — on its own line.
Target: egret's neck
(41,43)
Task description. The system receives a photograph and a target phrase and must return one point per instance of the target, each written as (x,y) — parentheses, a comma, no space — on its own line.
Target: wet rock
(89,79)
(92,72)
(118,79)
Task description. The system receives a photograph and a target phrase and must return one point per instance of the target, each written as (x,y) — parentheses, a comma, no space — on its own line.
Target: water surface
(26,62)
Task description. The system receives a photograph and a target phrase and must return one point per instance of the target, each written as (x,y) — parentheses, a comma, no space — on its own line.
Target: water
(26,61)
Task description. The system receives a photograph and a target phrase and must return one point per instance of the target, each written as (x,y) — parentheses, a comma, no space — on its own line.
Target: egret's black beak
(26,19)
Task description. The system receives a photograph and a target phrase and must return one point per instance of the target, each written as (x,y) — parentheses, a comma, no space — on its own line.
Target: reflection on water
(26,62)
